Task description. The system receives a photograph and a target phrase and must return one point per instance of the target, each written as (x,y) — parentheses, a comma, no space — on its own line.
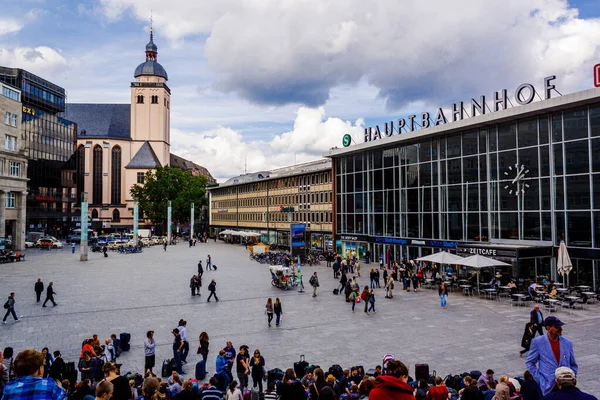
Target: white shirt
(183,333)
(236,395)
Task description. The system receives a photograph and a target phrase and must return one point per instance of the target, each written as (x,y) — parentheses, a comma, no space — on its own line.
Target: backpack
(364,295)
(312,280)
(212,286)
(6,305)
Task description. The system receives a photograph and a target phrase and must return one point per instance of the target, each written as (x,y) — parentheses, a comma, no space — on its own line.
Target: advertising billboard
(298,238)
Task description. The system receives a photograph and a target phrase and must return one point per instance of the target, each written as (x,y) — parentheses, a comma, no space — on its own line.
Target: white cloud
(295,51)
(40,60)
(9,26)
(224,151)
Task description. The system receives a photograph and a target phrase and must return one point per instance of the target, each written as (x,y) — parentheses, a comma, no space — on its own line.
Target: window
(15,169)
(140,177)
(11,94)
(14,120)
(115,179)
(116,216)
(154,99)
(94,214)
(97,176)
(10,143)
(10,200)
(7,119)
(140,99)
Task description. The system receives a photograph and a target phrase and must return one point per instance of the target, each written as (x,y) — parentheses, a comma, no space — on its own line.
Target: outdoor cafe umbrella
(478,262)
(564,264)
(442,257)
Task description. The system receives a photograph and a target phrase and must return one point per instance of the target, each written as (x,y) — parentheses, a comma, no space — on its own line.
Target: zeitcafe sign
(524,94)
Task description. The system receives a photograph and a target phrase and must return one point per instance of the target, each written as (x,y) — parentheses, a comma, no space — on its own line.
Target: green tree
(162,184)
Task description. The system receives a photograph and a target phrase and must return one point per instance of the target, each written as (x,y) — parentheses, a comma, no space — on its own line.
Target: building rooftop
(145,158)
(298,169)
(178,162)
(110,121)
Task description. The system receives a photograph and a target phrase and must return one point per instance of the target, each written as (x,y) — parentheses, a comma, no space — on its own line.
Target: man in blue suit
(548,352)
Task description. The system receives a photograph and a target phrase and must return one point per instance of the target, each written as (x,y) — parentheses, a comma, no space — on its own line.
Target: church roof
(145,158)
(178,162)
(110,121)
(152,68)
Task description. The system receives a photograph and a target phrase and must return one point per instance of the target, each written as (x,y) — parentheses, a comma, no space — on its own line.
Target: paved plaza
(150,291)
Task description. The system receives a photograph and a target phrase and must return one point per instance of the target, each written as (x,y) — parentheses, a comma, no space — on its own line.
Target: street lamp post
(169,223)
(83,256)
(192,222)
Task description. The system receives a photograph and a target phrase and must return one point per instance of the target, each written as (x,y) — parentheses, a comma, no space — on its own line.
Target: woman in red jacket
(439,391)
(394,385)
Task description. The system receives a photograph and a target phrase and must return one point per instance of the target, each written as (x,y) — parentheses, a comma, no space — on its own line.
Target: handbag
(357,299)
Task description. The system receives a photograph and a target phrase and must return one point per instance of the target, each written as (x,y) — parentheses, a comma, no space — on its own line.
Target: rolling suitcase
(200,370)
(70,373)
(300,367)
(167,368)
(336,291)
(125,338)
(422,372)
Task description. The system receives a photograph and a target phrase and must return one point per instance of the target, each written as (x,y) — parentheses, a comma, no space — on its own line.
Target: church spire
(151,49)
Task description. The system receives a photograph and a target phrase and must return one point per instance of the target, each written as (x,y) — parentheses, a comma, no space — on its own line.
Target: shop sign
(444,244)
(488,252)
(524,94)
(44,198)
(417,242)
(390,240)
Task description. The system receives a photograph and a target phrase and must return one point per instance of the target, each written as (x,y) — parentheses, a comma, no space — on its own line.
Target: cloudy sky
(273,82)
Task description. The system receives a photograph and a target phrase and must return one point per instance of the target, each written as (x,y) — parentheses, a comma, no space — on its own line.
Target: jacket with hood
(388,387)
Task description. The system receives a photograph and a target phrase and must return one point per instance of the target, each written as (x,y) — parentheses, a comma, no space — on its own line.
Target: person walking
(537,320)
(389,286)
(177,347)
(269,311)
(183,333)
(193,283)
(526,339)
(443,292)
(198,284)
(72,248)
(200,269)
(39,289)
(343,280)
(203,347)
(105,251)
(278,311)
(149,352)
(9,306)
(209,262)
(353,296)
(242,367)
(371,301)
(314,282)
(50,295)
(257,364)
(548,352)
(165,245)
(212,288)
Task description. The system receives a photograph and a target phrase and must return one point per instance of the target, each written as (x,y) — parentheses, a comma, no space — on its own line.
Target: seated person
(553,293)
(512,287)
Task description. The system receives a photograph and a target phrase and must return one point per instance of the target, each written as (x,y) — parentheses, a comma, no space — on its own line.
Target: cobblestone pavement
(138,292)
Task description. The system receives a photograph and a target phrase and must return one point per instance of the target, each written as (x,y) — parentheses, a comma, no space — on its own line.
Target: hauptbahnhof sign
(524,94)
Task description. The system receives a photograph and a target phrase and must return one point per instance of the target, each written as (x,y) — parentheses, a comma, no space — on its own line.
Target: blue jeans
(177,358)
(372,283)
(371,306)
(277,318)
(443,298)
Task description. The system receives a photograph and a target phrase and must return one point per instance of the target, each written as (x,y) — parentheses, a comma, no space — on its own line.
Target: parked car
(117,244)
(44,244)
(29,245)
(74,239)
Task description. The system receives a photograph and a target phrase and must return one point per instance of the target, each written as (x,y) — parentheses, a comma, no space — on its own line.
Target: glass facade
(533,181)
(50,143)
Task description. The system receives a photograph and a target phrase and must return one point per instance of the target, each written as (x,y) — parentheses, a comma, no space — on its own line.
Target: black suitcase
(336,291)
(274,375)
(70,373)
(422,372)
(300,367)
(167,368)
(125,338)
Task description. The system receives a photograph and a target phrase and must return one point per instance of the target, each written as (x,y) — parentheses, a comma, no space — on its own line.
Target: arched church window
(154,99)
(116,216)
(140,99)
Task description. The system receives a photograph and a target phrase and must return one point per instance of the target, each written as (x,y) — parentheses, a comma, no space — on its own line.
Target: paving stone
(150,291)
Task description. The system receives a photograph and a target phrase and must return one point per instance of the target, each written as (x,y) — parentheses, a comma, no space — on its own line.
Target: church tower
(151,106)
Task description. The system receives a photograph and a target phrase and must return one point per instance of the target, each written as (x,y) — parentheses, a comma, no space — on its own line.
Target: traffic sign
(346,140)
(597,75)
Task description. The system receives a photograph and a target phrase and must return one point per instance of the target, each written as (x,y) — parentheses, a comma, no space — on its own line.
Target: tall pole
(135,222)
(169,223)
(83,256)
(192,222)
